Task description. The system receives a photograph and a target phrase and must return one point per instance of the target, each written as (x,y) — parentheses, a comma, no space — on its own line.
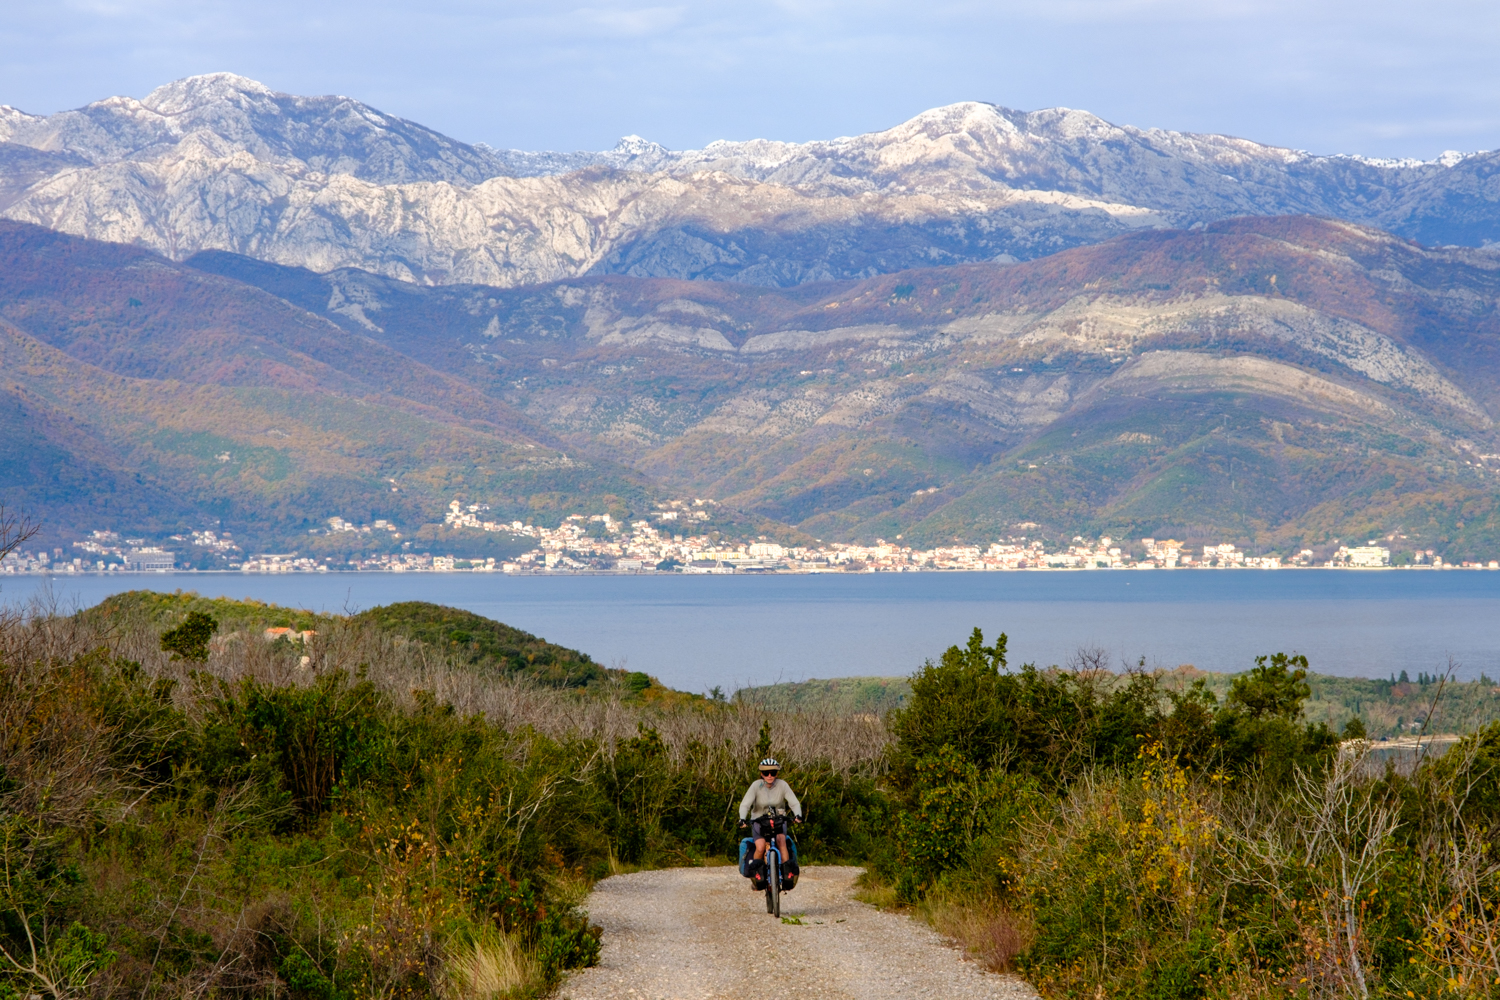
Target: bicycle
(777,824)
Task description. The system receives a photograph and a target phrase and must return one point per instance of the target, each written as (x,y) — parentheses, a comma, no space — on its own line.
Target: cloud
(633,23)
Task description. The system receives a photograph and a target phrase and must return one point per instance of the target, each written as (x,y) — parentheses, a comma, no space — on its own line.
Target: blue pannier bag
(747,851)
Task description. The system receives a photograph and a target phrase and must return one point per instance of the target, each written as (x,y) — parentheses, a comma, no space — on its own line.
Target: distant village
(668,543)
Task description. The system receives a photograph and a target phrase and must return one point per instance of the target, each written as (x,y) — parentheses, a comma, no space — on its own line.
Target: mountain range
(225,305)
(221,162)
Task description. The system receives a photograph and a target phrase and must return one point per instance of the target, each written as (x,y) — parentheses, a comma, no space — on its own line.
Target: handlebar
(780,821)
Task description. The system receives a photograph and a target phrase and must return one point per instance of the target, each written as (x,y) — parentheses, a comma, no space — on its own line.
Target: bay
(695,632)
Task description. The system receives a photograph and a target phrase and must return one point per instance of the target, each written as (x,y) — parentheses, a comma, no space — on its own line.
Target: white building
(1366,556)
(150,560)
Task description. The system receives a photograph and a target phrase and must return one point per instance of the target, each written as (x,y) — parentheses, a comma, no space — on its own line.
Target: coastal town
(672,540)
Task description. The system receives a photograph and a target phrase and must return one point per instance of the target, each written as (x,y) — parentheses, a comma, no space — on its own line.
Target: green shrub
(961,815)
(304,980)
(566,941)
(298,741)
(189,641)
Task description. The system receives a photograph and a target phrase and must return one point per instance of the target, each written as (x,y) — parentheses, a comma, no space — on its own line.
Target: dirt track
(700,933)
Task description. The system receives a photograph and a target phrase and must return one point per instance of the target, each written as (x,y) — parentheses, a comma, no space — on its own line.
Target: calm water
(697,631)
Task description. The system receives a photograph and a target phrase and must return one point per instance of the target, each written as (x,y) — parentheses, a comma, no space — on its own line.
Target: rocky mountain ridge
(333,134)
(224,163)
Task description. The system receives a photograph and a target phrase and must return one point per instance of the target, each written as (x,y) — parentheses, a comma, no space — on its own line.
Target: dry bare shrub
(55,758)
(54,749)
(407,906)
(1460,939)
(1334,831)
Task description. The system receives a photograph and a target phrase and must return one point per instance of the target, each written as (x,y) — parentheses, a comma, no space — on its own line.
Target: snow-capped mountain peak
(965,116)
(634,145)
(195,92)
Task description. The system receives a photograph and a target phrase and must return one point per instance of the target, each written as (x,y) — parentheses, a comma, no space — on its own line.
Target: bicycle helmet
(770,764)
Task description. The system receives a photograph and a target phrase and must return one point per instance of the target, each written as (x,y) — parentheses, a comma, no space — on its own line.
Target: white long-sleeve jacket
(761,799)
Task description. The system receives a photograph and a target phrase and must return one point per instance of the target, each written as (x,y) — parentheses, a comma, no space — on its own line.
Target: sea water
(697,632)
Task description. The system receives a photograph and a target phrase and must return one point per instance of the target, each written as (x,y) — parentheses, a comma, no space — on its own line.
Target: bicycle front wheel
(773,890)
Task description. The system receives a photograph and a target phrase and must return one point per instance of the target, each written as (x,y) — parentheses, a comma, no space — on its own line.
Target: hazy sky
(1379,77)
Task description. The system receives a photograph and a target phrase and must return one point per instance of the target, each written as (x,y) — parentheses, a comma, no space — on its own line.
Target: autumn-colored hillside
(1273,382)
(147,395)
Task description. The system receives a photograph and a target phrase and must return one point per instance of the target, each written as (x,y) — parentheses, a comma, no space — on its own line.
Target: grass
(988,931)
(493,964)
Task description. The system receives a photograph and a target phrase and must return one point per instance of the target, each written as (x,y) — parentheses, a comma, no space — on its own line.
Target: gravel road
(700,933)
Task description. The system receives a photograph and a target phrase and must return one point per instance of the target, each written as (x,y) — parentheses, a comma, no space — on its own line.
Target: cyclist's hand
(797,819)
(744,824)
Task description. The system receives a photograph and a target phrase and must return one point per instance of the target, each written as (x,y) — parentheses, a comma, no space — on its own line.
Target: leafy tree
(1261,724)
(1050,724)
(189,641)
(958,702)
(1187,731)
(1275,690)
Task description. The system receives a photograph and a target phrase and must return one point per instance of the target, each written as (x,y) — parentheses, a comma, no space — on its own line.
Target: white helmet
(770,764)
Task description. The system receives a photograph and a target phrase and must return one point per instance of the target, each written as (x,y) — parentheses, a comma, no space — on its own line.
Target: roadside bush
(1137,842)
(963,819)
(1052,725)
(566,941)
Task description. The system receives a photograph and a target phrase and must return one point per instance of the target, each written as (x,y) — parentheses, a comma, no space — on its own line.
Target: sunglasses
(769,774)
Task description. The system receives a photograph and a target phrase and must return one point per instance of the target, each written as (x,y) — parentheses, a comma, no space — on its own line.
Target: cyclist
(766,798)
